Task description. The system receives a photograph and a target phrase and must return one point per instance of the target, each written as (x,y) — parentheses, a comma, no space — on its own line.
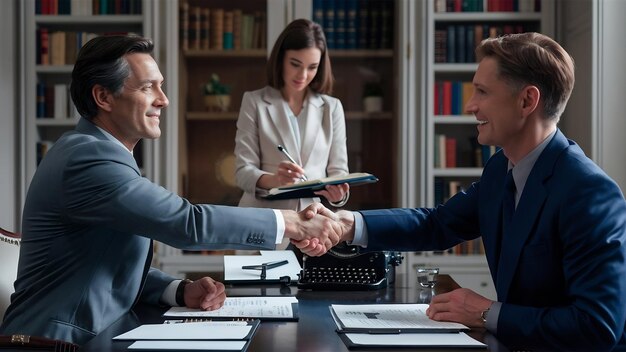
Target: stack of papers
(208,336)
(283,308)
(234,274)
(397,325)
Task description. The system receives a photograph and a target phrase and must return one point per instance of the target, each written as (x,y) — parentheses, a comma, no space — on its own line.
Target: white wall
(9,165)
(592,32)
(609,100)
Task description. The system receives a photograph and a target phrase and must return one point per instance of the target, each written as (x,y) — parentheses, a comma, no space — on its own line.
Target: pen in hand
(284,151)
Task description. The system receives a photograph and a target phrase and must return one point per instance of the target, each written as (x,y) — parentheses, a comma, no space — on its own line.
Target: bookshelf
(205,139)
(53,33)
(453,159)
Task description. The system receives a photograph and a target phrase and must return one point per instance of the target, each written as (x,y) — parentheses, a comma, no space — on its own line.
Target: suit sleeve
(425,229)
(247,149)
(103,187)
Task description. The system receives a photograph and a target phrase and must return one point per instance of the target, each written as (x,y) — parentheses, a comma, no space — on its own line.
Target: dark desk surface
(315,331)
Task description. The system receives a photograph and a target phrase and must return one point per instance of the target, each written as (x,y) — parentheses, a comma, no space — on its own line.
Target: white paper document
(234,273)
(276,308)
(455,339)
(232,330)
(188,345)
(388,318)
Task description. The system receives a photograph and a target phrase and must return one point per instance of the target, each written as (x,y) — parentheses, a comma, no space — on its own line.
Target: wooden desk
(315,331)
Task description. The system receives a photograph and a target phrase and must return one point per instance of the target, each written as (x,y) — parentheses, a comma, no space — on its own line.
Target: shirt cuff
(360,231)
(169,294)
(280,226)
(492,317)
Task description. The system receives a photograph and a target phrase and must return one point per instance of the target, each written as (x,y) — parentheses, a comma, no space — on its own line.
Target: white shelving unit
(469,270)
(51,128)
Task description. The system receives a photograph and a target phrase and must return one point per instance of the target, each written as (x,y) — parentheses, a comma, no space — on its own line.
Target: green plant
(215,87)
(372,89)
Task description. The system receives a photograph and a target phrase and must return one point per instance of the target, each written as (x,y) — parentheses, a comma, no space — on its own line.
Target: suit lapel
(528,210)
(278,115)
(316,114)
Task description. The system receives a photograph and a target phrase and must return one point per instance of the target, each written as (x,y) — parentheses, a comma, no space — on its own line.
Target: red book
(44,47)
(450,152)
(447,98)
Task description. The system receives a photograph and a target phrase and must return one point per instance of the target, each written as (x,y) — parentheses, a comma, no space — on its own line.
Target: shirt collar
(522,169)
(113,139)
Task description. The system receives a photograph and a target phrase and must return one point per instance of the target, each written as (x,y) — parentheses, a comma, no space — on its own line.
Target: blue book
(340,24)
(329,22)
(352,24)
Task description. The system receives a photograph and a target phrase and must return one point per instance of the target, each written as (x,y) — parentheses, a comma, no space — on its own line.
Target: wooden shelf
(90,20)
(360,54)
(232,115)
(67,122)
(207,53)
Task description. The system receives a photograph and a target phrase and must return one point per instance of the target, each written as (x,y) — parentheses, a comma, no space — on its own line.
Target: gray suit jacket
(88,222)
(263,124)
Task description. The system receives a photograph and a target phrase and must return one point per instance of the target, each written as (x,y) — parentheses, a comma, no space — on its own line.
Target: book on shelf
(87,7)
(455,43)
(61,102)
(355,24)
(184,25)
(307,189)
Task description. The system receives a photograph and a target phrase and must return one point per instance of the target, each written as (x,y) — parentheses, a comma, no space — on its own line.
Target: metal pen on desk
(284,151)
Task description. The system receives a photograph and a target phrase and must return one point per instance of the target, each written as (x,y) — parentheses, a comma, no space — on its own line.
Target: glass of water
(427,277)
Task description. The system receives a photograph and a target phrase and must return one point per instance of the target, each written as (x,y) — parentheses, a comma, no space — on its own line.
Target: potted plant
(373,97)
(216,95)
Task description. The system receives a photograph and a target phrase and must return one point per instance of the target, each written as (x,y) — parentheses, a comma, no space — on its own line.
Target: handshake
(317,229)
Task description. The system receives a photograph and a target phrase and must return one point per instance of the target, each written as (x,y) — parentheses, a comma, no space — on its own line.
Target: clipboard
(381,319)
(411,340)
(206,336)
(307,189)
(264,308)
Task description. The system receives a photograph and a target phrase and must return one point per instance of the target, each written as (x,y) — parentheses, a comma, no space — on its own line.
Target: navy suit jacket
(88,222)
(562,272)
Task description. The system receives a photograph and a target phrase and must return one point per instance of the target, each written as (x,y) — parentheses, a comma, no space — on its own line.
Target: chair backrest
(9,254)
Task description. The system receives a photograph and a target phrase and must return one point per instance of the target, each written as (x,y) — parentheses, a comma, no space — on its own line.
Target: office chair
(9,255)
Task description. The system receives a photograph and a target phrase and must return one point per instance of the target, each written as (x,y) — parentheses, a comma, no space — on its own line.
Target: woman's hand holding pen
(288,173)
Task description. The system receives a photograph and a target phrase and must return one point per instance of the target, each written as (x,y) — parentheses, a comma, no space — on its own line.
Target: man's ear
(529,96)
(103,97)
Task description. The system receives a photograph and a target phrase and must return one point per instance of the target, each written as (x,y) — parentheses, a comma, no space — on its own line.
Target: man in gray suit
(90,217)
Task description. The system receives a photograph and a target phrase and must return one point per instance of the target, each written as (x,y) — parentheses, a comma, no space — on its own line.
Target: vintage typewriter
(346,268)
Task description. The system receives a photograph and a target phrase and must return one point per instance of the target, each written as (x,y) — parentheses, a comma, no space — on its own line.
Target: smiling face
(299,69)
(496,106)
(134,113)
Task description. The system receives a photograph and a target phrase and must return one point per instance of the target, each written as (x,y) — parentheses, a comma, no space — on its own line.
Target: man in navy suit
(559,262)
(90,217)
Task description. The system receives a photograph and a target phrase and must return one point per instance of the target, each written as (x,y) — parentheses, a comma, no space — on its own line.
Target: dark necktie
(508,208)
(508,202)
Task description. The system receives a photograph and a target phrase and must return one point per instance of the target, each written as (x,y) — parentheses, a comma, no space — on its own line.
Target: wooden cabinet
(205,140)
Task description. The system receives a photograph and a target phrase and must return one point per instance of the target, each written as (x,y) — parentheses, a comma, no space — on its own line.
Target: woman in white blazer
(294,111)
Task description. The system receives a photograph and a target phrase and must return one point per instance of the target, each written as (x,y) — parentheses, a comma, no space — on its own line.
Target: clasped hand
(318,229)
